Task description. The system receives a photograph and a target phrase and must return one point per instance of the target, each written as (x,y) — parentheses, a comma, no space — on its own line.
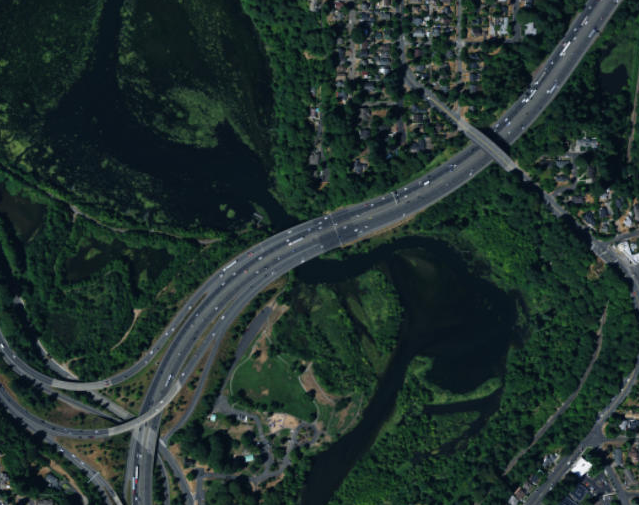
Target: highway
(199,325)
(93,475)
(364,219)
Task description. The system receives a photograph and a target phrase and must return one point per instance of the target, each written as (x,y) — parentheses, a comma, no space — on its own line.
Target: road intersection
(200,324)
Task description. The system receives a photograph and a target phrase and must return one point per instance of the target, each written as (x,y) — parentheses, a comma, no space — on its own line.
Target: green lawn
(276,385)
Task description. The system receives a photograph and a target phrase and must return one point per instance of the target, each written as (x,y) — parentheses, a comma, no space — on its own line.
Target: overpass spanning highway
(200,324)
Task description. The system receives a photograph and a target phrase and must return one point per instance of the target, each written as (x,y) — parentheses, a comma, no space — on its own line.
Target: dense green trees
(509,237)
(81,282)
(123,108)
(595,105)
(45,47)
(32,395)
(508,67)
(235,492)
(24,455)
(187,67)
(562,309)
(214,449)
(347,330)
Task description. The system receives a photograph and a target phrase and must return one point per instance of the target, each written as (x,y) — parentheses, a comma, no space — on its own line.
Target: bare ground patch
(98,457)
(58,469)
(238,431)
(261,344)
(309,382)
(176,451)
(281,421)
(596,269)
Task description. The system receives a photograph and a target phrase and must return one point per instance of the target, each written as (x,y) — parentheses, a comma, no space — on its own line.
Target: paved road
(622,494)
(593,439)
(92,475)
(568,401)
(358,221)
(209,311)
(477,137)
(340,227)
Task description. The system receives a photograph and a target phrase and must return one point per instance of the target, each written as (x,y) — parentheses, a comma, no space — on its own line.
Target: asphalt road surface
(593,439)
(362,220)
(220,299)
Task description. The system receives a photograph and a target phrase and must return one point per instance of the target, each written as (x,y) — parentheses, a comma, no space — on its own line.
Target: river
(94,127)
(462,321)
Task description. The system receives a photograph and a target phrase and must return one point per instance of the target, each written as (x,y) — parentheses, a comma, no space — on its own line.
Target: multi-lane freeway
(199,325)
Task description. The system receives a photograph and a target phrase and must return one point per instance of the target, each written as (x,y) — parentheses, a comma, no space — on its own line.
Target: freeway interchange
(199,326)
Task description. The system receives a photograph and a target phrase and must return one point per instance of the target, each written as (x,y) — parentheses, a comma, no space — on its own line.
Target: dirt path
(136,314)
(564,406)
(633,120)
(56,467)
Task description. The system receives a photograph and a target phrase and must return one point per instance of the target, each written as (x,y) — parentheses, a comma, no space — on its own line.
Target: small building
(248,458)
(529,29)
(617,455)
(4,482)
(364,134)
(580,492)
(243,418)
(534,479)
(549,460)
(359,167)
(581,467)
(418,146)
(213,417)
(584,144)
(313,160)
(52,481)
(503,27)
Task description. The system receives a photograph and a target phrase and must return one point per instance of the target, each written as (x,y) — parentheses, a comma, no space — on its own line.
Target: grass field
(276,381)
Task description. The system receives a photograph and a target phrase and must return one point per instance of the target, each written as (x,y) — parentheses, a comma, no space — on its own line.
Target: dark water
(189,182)
(152,260)
(465,323)
(615,81)
(25,216)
